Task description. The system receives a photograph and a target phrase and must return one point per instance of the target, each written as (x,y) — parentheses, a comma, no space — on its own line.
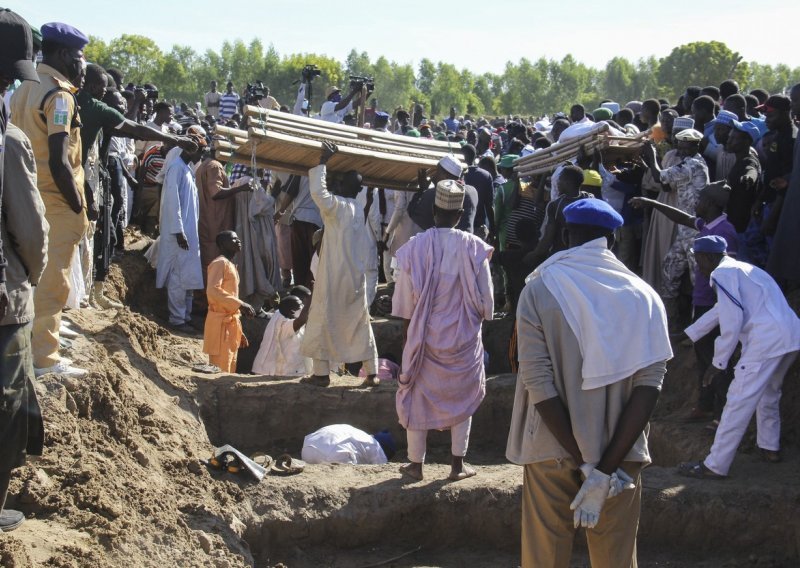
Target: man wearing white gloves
(584,395)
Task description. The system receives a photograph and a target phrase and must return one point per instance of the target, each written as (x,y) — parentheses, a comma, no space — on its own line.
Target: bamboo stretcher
(290,143)
(614,148)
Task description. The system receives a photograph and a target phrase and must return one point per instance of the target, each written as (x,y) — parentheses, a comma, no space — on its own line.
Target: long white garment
(342,443)
(338,327)
(576,277)
(373,223)
(279,353)
(750,309)
(401,227)
(178,214)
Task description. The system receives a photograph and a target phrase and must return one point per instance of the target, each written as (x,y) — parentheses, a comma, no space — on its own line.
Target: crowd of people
(698,227)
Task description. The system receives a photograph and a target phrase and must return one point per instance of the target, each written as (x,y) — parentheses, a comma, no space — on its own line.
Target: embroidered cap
(451,165)
(449,195)
(682,123)
(688,135)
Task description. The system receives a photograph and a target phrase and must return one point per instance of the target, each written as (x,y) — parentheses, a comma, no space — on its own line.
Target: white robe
(338,327)
(373,224)
(178,214)
(279,353)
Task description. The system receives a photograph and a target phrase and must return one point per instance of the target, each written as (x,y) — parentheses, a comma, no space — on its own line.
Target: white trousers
(756,388)
(459,441)
(179,301)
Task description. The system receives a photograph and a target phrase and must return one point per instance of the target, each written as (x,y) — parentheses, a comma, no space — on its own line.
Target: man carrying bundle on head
(443,292)
(223,329)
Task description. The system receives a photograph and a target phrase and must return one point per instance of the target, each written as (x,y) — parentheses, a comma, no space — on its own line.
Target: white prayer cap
(449,195)
(451,165)
(689,135)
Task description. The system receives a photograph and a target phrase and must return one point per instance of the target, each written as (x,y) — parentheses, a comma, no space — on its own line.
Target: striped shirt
(526,212)
(152,163)
(228,105)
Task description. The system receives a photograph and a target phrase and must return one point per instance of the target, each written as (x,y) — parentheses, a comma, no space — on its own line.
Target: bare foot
(371,381)
(463,473)
(317,380)
(413,470)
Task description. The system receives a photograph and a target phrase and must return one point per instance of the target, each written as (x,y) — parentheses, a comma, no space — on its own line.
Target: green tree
(138,57)
(699,63)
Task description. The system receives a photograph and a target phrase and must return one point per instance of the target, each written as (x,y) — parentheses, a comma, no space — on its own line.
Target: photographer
(265,100)
(335,107)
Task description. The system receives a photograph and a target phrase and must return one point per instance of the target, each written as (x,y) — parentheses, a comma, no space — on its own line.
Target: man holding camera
(335,107)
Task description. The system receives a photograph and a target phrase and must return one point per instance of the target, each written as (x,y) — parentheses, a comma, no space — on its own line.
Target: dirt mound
(120,479)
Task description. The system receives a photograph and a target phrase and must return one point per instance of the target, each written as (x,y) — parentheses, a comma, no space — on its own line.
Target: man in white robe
(179,267)
(279,353)
(338,327)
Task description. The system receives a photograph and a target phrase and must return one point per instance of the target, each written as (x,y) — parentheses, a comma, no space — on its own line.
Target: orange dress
(223,330)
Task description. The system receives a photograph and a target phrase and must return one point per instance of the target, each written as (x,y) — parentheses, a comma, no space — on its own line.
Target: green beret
(507,161)
(602,114)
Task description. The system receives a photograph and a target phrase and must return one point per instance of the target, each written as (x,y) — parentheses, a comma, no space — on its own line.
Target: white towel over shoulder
(618,319)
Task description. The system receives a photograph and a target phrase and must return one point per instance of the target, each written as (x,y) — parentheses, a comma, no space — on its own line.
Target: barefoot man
(443,292)
(223,331)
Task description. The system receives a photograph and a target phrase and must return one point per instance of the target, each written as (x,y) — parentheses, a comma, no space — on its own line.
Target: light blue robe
(178,214)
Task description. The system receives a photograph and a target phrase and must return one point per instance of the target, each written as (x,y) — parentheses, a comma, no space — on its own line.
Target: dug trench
(122,481)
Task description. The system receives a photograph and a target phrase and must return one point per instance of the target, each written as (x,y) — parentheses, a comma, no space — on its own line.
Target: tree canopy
(524,87)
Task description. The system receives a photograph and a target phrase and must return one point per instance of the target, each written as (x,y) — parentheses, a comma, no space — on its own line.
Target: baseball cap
(776,102)
(16,47)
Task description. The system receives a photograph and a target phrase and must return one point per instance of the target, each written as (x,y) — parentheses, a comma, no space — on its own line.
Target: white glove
(586,470)
(589,501)
(620,481)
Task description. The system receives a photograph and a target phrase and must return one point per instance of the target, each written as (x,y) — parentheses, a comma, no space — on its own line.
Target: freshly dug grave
(121,482)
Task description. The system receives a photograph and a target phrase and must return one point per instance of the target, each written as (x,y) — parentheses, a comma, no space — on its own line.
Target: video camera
(358,82)
(310,72)
(255,92)
(150,92)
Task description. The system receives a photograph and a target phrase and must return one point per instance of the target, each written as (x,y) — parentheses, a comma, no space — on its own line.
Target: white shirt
(342,443)
(330,114)
(750,309)
(279,353)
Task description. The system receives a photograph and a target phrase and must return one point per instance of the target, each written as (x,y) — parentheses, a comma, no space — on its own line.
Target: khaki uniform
(59,114)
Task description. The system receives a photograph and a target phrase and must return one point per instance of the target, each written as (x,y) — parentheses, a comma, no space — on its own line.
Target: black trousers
(21,426)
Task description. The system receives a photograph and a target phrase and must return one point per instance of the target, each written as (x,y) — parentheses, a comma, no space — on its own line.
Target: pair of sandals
(318,381)
(283,465)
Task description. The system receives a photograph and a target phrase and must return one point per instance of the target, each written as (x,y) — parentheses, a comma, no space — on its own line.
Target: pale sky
(406,31)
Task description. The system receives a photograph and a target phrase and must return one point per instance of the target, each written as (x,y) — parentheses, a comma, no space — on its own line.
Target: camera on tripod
(255,92)
(310,72)
(358,82)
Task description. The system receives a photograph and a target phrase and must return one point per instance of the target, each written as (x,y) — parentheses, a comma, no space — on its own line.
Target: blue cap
(386,441)
(726,117)
(712,244)
(593,212)
(64,34)
(381,114)
(748,128)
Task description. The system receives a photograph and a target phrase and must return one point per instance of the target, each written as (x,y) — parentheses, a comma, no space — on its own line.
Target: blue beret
(381,114)
(710,244)
(748,128)
(64,34)
(594,212)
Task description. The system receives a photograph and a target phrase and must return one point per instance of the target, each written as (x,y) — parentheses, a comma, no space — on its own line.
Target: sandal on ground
(467,472)
(316,381)
(206,369)
(771,456)
(264,461)
(287,465)
(698,470)
(371,382)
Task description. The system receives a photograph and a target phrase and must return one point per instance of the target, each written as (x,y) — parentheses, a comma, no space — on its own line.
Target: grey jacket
(24,230)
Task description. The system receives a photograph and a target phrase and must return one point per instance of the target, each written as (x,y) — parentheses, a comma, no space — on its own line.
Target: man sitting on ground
(223,330)
(279,353)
